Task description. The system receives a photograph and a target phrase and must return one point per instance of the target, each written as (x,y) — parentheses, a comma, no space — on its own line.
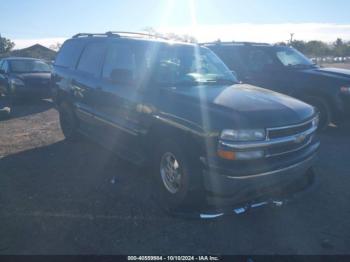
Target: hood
(335,72)
(325,76)
(30,76)
(35,80)
(240,106)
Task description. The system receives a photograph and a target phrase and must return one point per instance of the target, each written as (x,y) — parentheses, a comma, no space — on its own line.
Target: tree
(6,45)
(55,46)
(317,48)
(171,36)
(340,48)
(299,45)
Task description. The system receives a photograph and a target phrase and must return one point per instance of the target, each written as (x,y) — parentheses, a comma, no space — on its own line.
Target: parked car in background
(25,78)
(178,107)
(285,70)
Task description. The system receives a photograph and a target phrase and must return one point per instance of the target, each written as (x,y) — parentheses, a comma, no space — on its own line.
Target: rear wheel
(68,121)
(178,178)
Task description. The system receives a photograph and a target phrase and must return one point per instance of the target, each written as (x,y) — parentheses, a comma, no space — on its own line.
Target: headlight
(16,82)
(345,90)
(243,135)
(249,135)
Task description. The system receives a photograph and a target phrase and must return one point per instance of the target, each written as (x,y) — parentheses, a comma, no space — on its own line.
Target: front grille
(37,83)
(274,133)
(288,148)
(302,135)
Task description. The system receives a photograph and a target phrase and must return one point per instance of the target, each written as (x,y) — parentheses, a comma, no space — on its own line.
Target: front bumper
(31,92)
(230,187)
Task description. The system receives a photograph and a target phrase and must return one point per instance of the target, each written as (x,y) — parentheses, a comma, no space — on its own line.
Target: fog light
(243,155)
(228,155)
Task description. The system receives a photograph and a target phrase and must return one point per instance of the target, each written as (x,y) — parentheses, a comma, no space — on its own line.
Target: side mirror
(122,76)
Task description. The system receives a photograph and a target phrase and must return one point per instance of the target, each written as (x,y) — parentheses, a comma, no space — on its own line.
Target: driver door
(264,71)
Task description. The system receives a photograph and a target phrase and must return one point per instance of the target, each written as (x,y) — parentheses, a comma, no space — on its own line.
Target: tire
(188,192)
(324,110)
(69,122)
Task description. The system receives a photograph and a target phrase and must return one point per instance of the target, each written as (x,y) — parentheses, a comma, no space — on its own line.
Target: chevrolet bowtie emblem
(299,139)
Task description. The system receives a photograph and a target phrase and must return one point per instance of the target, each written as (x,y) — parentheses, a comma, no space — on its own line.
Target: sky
(50,21)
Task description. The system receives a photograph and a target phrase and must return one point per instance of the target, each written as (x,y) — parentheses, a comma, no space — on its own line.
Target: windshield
(292,58)
(190,65)
(29,66)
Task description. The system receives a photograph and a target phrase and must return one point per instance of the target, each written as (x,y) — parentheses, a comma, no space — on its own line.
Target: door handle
(98,88)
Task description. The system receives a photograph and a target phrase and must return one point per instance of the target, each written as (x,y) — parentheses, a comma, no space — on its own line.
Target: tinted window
(119,58)
(91,59)
(258,60)
(69,54)
(231,57)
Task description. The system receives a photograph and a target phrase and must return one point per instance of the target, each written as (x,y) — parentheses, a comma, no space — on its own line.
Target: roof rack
(235,43)
(119,34)
(88,35)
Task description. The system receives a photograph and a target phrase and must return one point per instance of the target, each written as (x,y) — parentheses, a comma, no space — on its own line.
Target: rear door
(119,98)
(86,82)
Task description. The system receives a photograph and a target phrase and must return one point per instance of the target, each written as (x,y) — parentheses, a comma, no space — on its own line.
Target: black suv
(286,70)
(178,107)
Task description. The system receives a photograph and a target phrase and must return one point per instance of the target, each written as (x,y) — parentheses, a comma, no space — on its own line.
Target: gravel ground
(76,198)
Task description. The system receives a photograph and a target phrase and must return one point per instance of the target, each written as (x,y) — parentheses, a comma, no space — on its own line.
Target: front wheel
(178,178)
(324,111)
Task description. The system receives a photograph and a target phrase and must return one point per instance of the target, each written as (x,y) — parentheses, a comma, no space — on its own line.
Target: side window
(91,58)
(120,63)
(230,55)
(69,53)
(258,60)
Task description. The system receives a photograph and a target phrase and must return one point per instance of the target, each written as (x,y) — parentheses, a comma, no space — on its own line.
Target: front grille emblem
(300,138)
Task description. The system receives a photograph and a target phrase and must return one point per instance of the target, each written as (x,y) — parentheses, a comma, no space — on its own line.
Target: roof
(233,43)
(130,36)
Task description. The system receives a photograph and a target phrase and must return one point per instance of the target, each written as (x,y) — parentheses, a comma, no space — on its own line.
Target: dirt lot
(76,198)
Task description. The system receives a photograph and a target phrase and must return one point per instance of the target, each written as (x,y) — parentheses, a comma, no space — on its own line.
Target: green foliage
(171,36)
(321,49)
(6,45)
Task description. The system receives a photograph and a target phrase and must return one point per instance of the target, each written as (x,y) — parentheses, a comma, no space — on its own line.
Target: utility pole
(291,37)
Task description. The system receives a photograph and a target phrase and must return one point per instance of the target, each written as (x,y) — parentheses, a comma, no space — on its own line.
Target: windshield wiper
(221,81)
(302,65)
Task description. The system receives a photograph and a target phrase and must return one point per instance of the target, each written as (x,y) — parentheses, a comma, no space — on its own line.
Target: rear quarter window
(69,54)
